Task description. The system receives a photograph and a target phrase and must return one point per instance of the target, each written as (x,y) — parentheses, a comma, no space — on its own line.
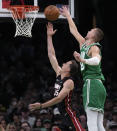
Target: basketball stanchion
(24,17)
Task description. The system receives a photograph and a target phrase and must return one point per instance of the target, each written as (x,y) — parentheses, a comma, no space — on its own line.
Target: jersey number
(57,89)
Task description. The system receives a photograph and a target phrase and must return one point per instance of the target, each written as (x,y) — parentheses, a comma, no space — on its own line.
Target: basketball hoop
(24,17)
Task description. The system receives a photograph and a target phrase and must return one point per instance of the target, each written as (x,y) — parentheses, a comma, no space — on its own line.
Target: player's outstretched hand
(50,31)
(64,11)
(34,106)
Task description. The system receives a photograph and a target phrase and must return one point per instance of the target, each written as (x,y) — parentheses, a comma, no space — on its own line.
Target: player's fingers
(55,31)
(31,110)
(61,10)
(30,107)
(63,7)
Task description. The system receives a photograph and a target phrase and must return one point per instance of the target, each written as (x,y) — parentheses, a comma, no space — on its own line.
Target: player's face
(90,34)
(66,66)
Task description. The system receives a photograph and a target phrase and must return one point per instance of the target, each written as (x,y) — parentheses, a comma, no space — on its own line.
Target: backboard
(4,13)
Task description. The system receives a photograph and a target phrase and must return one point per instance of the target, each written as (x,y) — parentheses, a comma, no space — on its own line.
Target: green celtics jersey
(90,71)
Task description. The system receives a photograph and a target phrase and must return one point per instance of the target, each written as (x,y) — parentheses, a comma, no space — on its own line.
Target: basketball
(51,12)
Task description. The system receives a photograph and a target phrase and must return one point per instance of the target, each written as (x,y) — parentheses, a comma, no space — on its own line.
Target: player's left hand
(34,106)
(50,31)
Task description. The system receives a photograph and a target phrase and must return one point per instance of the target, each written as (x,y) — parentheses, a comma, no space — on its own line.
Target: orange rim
(27,8)
(18,11)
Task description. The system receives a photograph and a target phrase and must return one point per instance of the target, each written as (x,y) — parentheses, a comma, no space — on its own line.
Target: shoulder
(69,84)
(95,48)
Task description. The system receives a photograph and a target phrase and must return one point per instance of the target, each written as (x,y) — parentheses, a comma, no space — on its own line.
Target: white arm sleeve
(92,61)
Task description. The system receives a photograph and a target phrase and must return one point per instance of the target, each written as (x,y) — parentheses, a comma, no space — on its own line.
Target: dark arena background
(26,75)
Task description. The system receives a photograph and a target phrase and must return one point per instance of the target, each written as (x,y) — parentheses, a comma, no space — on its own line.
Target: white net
(24,19)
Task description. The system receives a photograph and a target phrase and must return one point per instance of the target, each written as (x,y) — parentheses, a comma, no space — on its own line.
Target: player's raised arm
(73,29)
(51,51)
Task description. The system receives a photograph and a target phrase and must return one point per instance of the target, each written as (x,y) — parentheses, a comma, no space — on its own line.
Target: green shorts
(94,95)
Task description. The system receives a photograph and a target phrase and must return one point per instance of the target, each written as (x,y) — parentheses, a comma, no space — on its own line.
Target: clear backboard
(4,13)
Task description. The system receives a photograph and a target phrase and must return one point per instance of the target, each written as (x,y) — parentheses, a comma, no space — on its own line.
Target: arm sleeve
(92,61)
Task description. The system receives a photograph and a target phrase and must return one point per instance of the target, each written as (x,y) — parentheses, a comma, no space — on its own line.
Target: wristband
(40,106)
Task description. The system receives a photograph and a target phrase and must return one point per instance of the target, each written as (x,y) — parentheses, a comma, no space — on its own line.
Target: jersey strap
(89,46)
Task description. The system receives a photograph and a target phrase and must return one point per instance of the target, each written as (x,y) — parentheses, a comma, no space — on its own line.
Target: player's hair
(99,34)
(74,68)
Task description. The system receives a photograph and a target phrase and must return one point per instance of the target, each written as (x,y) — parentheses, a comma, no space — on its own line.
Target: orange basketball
(51,12)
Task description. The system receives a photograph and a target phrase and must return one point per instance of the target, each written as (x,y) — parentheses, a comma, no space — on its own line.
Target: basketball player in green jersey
(94,93)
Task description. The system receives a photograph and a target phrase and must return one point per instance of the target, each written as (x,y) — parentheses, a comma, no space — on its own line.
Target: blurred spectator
(38,126)
(113,122)
(56,111)
(12,105)
(22,129)
(26,126)
(47,124)
(44,114)
(113,127)
(57,121)
(108,104)
(3,123)
(1,117)
(83,121)
(26,117)
(16,121)
(1,128)
(11,127)
(38,123)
